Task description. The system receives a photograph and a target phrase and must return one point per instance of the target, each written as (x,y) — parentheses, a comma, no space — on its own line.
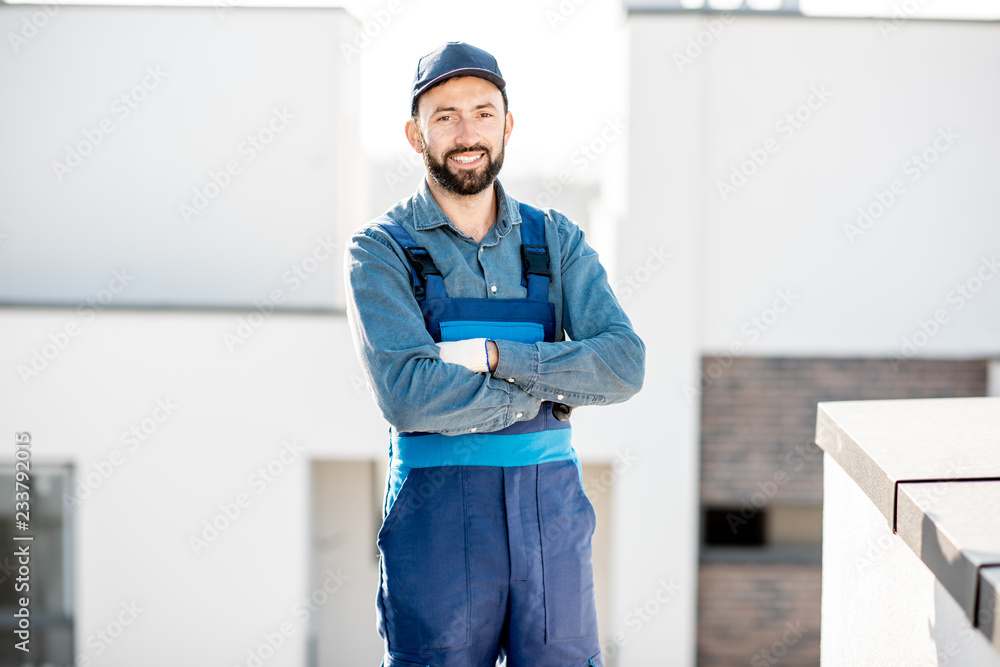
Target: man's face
(462,133)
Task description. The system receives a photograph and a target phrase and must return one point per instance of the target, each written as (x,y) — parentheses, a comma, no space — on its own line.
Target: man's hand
(479,355)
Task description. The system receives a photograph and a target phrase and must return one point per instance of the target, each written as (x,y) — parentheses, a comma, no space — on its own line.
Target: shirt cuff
(521,404)
(518,363)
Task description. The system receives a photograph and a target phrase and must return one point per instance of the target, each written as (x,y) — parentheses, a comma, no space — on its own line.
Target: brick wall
(757,615)
(758,415)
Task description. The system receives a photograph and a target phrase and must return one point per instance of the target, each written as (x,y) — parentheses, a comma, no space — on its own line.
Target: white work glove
(470,353)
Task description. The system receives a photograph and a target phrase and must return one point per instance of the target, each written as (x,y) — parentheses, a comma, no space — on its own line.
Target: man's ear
(507,127)
(413,135)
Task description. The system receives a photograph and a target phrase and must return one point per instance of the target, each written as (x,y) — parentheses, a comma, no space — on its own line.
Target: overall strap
(534,253)
(424,275)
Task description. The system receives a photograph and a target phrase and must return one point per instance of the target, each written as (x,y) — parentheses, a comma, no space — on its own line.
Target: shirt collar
(428,215)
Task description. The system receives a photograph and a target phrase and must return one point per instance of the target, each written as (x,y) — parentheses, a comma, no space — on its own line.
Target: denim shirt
(597,358)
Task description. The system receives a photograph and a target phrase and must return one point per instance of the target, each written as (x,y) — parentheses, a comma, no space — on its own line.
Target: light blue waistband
(481,449)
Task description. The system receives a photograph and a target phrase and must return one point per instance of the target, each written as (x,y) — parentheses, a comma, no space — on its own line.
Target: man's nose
(468,135)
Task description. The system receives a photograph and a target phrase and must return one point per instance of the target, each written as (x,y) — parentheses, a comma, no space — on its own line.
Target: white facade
(205,151)
(754,141)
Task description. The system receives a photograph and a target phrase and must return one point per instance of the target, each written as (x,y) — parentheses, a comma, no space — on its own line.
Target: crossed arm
(420,386)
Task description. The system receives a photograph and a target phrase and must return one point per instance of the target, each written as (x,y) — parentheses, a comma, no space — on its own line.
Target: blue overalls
(486,537)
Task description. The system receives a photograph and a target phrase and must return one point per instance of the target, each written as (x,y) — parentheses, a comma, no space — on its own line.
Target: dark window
(733,527)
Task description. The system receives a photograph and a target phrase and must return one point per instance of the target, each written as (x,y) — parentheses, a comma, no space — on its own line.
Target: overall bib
(486,537)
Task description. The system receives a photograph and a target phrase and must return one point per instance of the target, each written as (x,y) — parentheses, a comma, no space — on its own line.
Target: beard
(464,182)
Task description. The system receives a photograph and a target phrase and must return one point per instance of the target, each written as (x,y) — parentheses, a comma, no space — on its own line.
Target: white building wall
(229,415)
(230,406)
(221,139)
(912,107)
(769,265)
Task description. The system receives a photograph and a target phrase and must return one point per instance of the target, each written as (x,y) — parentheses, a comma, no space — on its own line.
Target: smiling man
(480,323)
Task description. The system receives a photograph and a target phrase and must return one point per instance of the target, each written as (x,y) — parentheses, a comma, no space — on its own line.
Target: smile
(466,159)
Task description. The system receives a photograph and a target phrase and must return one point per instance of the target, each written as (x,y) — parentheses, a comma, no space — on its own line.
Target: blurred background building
(792,206)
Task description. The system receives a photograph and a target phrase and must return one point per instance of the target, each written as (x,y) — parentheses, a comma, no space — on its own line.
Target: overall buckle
(535,259)
(421,261)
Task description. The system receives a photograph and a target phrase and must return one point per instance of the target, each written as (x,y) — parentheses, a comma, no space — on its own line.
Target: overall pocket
(567,526)
(425,593)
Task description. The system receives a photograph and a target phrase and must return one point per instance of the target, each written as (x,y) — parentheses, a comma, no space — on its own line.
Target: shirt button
(493,288)
(481,249)
(519,415)
(560,397)
(472,430)
(510,379)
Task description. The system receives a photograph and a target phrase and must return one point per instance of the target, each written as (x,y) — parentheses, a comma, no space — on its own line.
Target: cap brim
(465,71)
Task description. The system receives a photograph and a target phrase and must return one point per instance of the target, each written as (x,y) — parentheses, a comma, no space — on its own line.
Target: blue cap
(454,59)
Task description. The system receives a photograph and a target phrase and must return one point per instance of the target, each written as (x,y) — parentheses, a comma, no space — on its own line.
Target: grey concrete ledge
(882,443)
(955,529)
(932,468)
(988,617)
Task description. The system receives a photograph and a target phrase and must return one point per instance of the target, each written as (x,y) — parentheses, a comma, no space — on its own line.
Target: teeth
(465,160)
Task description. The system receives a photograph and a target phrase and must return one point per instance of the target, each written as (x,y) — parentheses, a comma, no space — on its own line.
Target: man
(480,323)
